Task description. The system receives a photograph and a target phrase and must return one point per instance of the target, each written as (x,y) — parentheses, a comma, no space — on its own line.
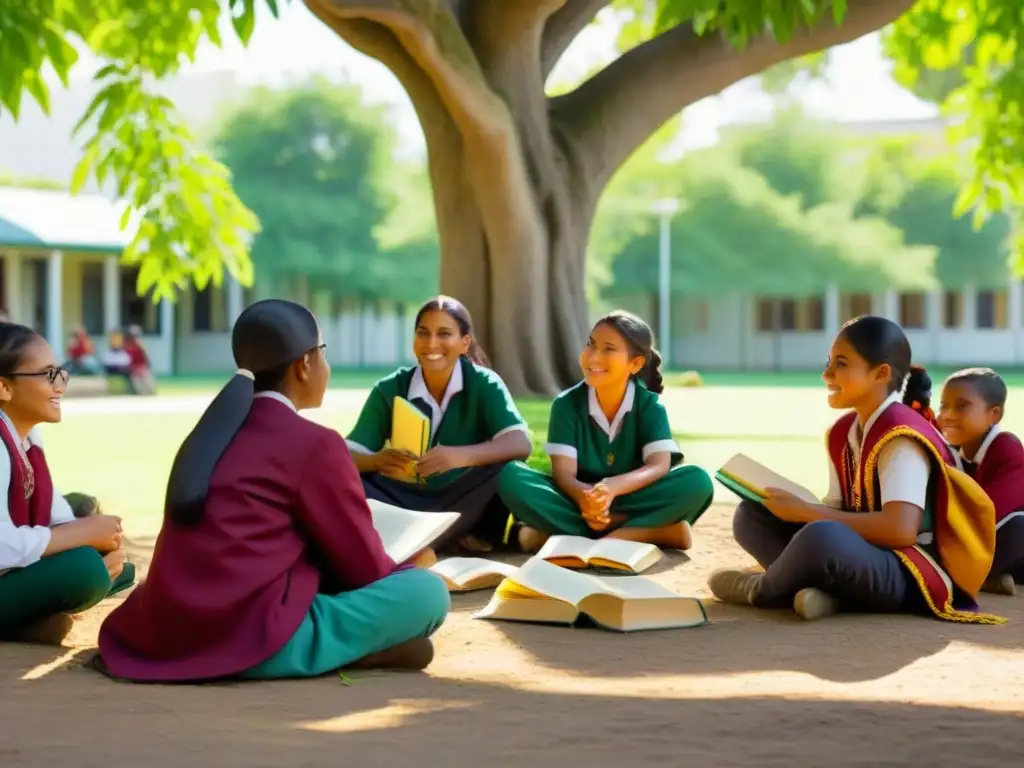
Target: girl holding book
(616,469)
(970,414)
(902,530)
(474,427)
(268,564)
(52,564)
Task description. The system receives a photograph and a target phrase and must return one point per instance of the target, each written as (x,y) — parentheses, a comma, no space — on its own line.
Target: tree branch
(563,27)
(616,110)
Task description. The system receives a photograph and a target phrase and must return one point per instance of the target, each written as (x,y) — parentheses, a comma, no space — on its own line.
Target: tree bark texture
(517,175)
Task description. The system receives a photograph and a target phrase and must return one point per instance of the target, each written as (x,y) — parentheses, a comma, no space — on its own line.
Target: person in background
(972,407)
(139,372)
(268,564)
(81,353)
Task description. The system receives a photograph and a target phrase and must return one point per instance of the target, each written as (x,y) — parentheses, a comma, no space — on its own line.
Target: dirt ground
(754,688)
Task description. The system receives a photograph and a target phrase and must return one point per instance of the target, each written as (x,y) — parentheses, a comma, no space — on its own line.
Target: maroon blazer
(1001,473)
(286,517)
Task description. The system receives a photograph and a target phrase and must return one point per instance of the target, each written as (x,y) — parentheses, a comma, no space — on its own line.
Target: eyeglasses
(51,374)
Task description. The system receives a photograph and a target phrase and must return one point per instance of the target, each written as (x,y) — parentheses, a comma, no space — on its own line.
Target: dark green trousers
(69,582)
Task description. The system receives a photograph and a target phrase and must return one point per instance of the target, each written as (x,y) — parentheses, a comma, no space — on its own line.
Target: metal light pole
(665,209)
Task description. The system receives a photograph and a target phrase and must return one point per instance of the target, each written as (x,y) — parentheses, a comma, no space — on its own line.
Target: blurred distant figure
(142,379)
(82,354)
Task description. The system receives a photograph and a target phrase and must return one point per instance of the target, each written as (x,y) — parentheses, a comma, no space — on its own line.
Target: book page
(572,586)
(757,475)
(462,570)
(405,532)
(629,553)
(566,547)
(562,584)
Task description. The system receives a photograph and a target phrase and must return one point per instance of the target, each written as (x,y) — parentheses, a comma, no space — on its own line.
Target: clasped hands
(595,504)
(401,465)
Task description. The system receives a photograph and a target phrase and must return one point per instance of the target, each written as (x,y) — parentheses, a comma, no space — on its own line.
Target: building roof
(55,220)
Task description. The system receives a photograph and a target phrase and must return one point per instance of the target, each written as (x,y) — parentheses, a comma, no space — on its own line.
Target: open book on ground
(748,479)
(546,593)
(465,574)
(405,532)
(603,554)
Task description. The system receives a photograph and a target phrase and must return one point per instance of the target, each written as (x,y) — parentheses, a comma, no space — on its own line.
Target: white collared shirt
(903,466)
(21,546)
(979,457)
(418,391)
(594,408)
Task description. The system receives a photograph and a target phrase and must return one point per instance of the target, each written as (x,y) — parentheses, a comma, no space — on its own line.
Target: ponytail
(650,374)
(917,393)
(198,456)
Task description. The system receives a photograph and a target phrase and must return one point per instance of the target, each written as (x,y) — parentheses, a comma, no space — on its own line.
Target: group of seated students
(268,565)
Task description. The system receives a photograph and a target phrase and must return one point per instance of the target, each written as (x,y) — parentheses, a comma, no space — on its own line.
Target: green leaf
(245,21)
(84,167)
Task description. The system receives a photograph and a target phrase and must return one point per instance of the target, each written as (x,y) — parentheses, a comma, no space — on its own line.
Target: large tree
(516,174)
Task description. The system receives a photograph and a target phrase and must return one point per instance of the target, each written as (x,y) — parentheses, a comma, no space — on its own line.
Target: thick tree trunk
(516,176)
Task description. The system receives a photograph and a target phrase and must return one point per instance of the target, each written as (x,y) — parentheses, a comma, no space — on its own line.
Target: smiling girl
(52,565)
(475,429)
(972,407)
(901,529)
(616,468)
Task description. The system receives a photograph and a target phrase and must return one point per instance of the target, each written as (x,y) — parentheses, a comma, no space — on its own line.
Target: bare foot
(411,655)
(675,536)
(1000,585)
(425,558)
(531,540)
(49,631)
(473,544)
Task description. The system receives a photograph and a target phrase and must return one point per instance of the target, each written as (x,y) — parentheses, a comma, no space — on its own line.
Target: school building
(948,328)
(61,269)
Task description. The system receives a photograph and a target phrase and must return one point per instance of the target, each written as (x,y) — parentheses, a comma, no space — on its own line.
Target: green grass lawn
(124,459)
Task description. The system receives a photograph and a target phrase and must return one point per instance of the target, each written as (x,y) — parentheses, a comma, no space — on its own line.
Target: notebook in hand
(542,592)
(748,479)
(405,532)
(410,428)
(466,574)
(603,554)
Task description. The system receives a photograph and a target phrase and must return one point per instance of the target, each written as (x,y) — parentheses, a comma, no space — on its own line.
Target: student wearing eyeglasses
(52,564)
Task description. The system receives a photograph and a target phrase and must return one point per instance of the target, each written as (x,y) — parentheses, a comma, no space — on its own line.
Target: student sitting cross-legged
(475,430)
(52,564)
(902,530)
(268,564)
(617,470)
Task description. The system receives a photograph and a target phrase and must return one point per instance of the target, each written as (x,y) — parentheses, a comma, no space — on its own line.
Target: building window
(765,315)
(209,310)
(952,309)
(799,315)
(853,305)
(991,309)
(135,309)
(913,310)
(92,298)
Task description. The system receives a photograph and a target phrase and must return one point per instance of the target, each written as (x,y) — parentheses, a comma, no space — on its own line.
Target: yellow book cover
(410,428)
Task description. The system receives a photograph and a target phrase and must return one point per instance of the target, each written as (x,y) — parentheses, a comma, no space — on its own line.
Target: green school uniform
(476,407)
(579,429)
